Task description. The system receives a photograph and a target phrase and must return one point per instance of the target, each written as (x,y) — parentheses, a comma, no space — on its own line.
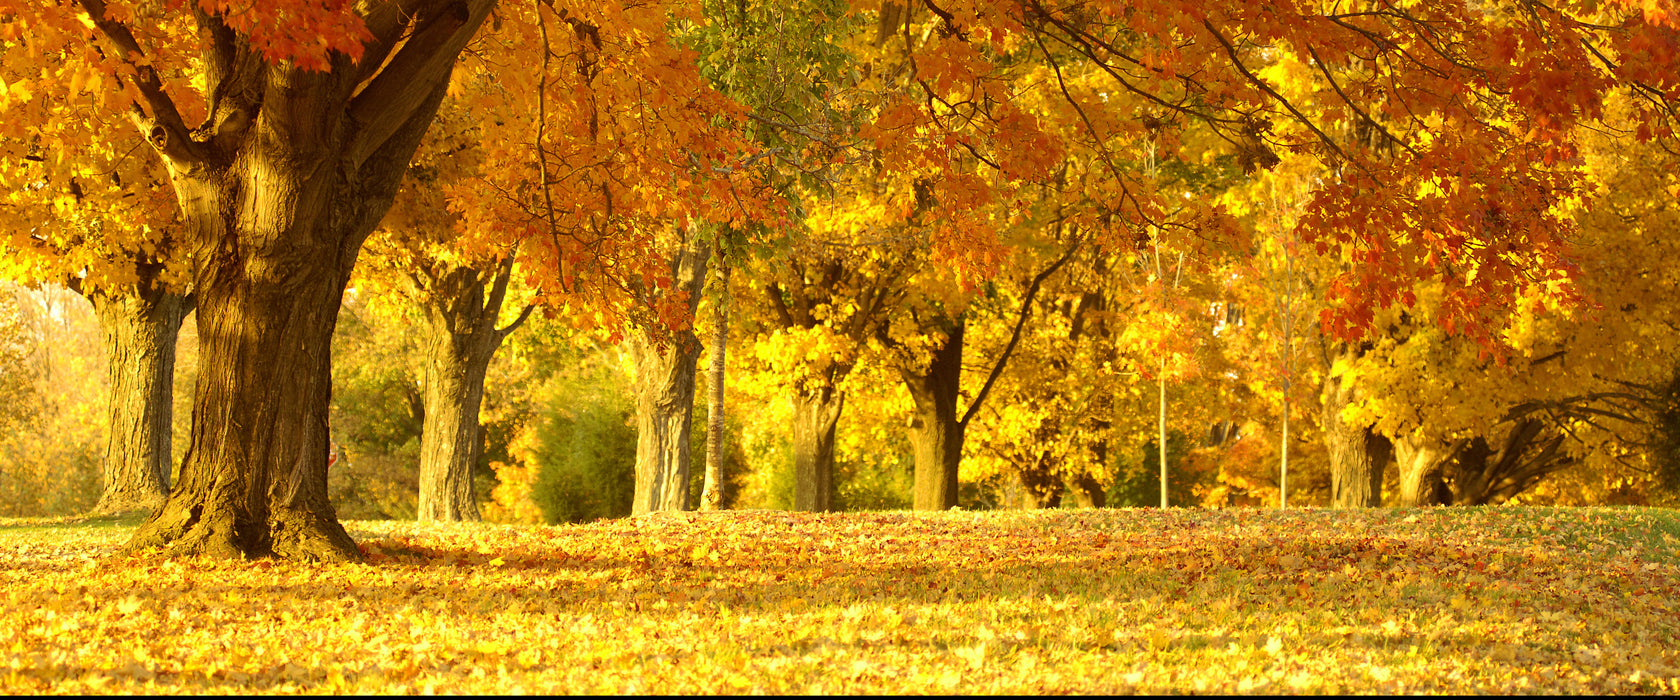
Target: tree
(711,495)
(665,395)
(87,217)
(461,285)
(307,116)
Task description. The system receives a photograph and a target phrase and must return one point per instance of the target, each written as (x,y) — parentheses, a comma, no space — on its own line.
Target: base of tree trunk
(112,503)
(182,529)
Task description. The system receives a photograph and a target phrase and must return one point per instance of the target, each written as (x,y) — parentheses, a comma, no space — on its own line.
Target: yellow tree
(460,284)
(83,212)
(285,130)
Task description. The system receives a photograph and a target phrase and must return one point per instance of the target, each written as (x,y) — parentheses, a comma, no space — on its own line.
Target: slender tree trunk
(816,414)
(665,400)
(936,435)
(1357,454)
(711,494)
(140,327)
(1422,466)
(1283,452)
(461,312)
(1161,430)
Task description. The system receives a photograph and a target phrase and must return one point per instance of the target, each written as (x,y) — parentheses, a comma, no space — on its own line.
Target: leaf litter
(1509,599)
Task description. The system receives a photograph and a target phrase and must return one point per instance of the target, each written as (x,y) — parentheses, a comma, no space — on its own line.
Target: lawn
(1097,601)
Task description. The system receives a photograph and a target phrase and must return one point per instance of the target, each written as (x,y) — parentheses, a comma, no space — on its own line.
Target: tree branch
(420,66)
(1236,61)
(1015,337)
(163,129)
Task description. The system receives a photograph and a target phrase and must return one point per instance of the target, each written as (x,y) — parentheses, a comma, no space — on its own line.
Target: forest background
(1062,350)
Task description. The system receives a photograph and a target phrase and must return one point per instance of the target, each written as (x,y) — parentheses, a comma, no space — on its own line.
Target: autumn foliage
(1498,600)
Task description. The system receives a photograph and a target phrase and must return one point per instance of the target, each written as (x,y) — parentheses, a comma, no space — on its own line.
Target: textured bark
(140,327)
(461,339)
(1422,465)
(936,435)
(711,492)
(1473,471)
(278,190)
(1357,454)
(816,414)
(665,400)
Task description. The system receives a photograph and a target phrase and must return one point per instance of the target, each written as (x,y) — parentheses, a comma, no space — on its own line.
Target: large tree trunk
(816,413)
(665,400)
(711,492)
(461,312)
(1357,454)
(291,172)
(1422,465)
(254,479)
(140,327)
(936,434)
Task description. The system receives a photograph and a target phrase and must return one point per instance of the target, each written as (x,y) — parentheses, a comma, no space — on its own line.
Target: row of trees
(1173,193)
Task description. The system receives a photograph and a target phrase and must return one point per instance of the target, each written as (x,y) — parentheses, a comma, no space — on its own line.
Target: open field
(1438,600)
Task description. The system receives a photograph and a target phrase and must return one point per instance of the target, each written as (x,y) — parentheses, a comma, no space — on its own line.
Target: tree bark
(936,435)
(711,494)
(462,337)
(816,414)
(1529,451)
(1357,454)
(278,191)
(1422,465)
(140,327)
(665,399)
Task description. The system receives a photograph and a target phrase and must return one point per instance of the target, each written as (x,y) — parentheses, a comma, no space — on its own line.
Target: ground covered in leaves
(1436,600)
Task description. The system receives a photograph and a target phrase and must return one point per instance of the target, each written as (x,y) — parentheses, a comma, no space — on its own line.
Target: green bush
(586,448)
(1138,484)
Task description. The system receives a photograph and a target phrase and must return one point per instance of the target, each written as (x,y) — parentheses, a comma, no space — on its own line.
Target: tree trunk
(1422,465)
(665,400)
(278,191)
(1088,492)
(711,493)
(254,480)
(1357,454)
(936,436)
(816,414)
(1041,487)
(462,338)
(140,327)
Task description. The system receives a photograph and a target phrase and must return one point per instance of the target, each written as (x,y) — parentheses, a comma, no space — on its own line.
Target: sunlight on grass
(1430,600)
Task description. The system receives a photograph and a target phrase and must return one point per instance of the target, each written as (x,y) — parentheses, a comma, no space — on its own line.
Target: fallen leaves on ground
(1424,600)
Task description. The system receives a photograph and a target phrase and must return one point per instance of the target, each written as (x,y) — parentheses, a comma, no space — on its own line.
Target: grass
(1523,600)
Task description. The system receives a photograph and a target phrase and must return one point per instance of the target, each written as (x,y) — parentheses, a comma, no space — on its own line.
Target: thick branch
(387,23)
(403,86)
(164,128)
